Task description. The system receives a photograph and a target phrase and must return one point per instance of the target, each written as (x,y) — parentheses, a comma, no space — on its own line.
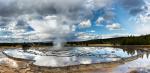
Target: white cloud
(142,25)
(87,36)
(92,31)
(113,26)
(107,18)
(49,27)
(143,29)
(49,19)
(45,29)
(85,24)
(99,21)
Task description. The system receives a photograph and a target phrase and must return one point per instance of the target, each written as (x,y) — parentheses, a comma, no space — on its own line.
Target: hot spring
(71,55)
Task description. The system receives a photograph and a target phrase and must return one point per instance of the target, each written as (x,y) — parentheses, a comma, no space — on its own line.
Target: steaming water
(74,56)
(58,45)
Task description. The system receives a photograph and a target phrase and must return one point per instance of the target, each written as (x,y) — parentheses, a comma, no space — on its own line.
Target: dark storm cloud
(21,24)
(133,6)
(136,11)
(73,9)
(45,7)
(4,21)
(132,3)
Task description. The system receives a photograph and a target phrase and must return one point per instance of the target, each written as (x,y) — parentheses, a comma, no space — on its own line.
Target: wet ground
(74,60)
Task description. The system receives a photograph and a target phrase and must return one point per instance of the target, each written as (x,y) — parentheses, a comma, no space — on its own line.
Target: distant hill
(130,40)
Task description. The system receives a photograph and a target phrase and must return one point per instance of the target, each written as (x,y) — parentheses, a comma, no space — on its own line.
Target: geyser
(58,44)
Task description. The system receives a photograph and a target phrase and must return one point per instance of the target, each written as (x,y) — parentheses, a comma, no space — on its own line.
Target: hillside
(130,40)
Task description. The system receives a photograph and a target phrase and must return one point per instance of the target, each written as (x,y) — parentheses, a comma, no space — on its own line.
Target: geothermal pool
(77,59)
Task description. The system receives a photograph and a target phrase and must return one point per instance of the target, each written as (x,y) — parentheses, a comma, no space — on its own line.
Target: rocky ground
(8,65)
(141,70)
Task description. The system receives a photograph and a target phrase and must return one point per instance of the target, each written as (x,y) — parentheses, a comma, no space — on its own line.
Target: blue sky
(121,16)
(48,20)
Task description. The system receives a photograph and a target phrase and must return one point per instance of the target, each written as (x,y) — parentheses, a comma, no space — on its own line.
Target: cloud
(107,18)
(143,25)
(50,19)
(114,26)
(85,24)
(46,7)
(102,3)
(19,7)
(143,29)
(33,29)
(99,21)
(31,20)
(87,36)
(92,31)
(41,26)
(142,21)
(134,7)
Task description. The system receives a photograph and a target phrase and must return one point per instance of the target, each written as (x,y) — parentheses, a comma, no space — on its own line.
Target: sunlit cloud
(51,19)
(114,26)
(85,24)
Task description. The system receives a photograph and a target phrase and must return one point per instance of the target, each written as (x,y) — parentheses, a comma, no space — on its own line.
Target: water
(74,56)
(141,64)
(115,59)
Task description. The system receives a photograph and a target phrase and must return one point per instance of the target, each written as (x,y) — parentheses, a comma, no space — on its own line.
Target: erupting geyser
(58,44)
